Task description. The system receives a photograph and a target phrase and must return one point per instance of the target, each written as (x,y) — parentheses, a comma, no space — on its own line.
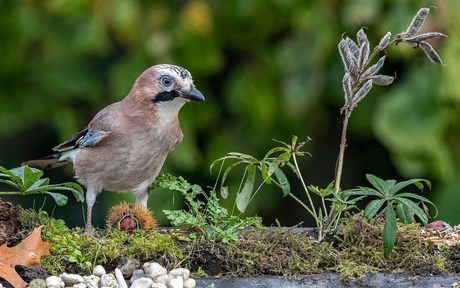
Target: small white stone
(121,280)
(176,282)
(92,281)
(109,280)
(98,270)
(164,279)
(190,283)
(142,283)
(54,282)
(153,269)
(79,285)
(184,273)
(158,285)
(71,279)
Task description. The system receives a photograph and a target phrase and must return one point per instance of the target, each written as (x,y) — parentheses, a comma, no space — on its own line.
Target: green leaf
(403,214)
(283,182)
(373,207)
(421,198)
(60,199)
(412,207)
(263,169)
(244,196)
(363,191)
(389,229)
(416,182)
(381,185)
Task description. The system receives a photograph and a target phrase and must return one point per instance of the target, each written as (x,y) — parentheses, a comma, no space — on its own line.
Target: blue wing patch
(92,137)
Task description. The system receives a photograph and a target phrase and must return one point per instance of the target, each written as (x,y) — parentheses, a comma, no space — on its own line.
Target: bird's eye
(166,81)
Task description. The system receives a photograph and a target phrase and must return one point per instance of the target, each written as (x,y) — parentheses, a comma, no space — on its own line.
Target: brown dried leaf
(26,253)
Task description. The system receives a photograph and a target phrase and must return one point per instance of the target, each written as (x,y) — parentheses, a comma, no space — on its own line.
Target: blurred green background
(268,68)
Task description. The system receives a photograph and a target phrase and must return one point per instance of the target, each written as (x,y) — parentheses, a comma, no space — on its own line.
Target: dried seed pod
(362,92)
(347,57)
(384,42)
(363,56)
(347,88)
(354,49)
(362,37)
(374,68)
(430,52)
(382,80)
(130,216)
(416,23)
(425,36)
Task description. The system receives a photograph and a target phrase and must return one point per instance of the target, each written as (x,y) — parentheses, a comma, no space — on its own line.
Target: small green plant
(27,181)
(270,167)
(207,220)
(393,202)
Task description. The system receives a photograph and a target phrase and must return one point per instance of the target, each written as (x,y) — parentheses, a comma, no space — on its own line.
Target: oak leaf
(26,253)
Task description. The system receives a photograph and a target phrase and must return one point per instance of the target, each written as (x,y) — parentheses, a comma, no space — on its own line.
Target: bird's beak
(193,95)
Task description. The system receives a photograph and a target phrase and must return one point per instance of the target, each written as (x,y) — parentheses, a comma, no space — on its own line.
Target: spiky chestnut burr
(130,216)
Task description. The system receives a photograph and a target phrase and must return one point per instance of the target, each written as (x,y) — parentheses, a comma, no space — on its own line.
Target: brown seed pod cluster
(440,233)
(128,217)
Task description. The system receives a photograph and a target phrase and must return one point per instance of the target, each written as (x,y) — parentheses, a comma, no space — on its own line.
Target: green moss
(356,249)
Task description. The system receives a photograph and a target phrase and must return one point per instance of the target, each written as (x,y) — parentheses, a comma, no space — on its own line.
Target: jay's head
(165,88)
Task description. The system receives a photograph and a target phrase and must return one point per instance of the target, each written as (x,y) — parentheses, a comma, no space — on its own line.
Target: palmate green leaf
(389,229)
(12,179)
(373,207)
(414,208)
(403,184)
(243,196)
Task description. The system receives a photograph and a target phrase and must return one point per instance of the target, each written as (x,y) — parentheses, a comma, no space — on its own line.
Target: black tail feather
(45,163)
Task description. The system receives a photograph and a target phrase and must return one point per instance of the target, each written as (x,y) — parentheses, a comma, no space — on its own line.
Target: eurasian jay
(125,145)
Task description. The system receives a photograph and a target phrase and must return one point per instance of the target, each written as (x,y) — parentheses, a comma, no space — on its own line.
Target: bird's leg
(142,196)
(91,194)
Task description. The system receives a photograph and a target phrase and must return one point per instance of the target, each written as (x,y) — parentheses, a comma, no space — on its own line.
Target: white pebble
(109,280)
(121,280)
(54,282)
(79,285)
(190,283)
(98,270)
(182,272)
(142,283)
(158,285)
(176,282)
(92,281)
(164,279)
(153,269)
(71,279)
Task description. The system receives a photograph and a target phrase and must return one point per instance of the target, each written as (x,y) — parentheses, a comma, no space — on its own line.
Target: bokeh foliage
(268,69)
